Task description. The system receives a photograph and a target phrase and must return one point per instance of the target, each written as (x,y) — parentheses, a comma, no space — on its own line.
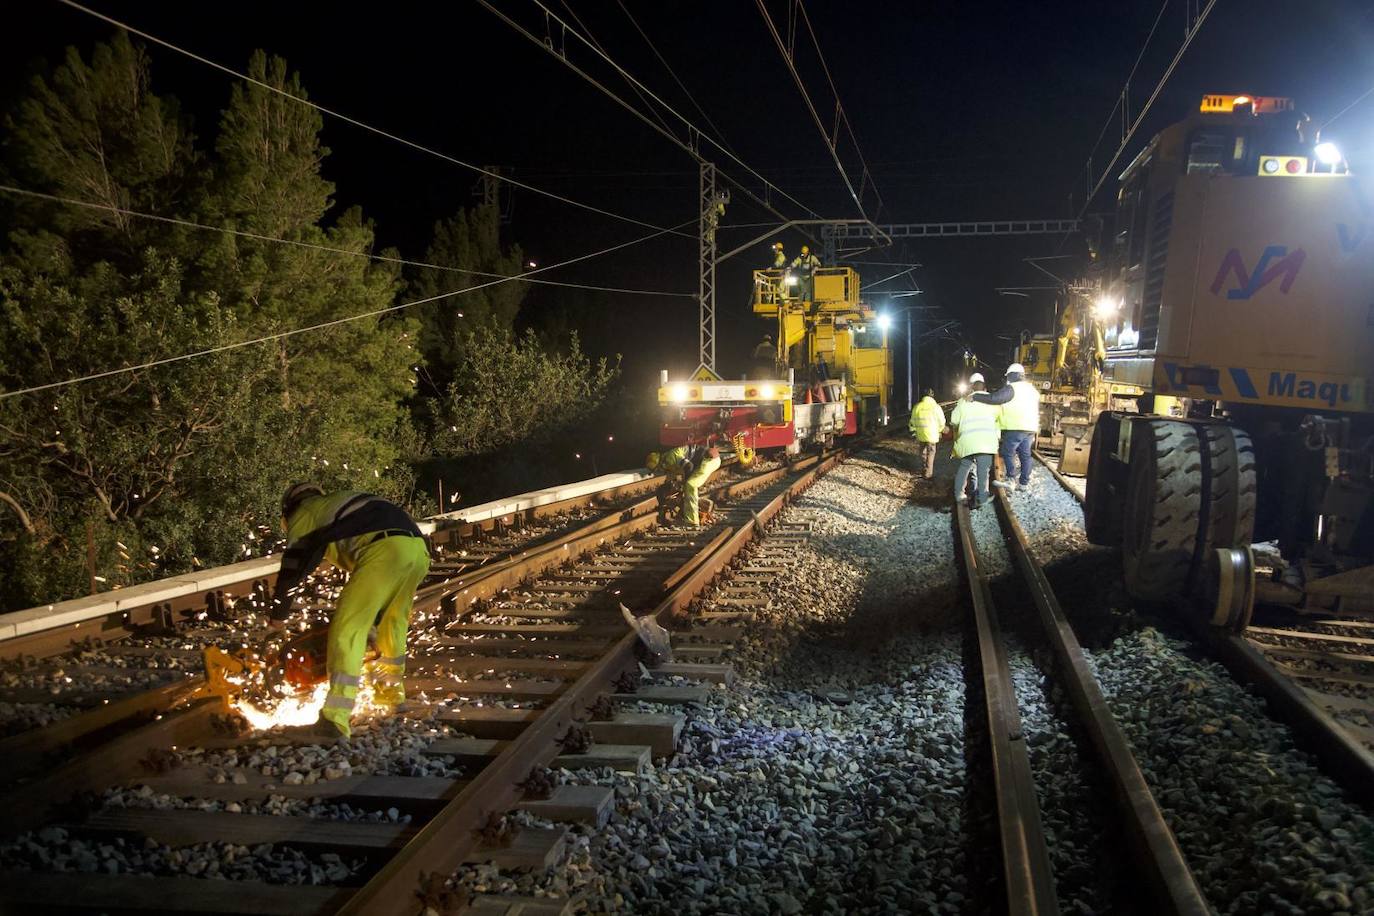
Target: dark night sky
(964,111)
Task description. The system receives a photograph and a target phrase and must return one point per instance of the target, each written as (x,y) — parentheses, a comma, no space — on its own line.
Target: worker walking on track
(805,266)
(927,423)
(975,441)
(381,548)
(1019,402)
(695,464)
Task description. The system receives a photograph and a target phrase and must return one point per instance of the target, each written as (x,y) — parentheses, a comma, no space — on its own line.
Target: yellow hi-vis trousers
(691,489)
(381,590)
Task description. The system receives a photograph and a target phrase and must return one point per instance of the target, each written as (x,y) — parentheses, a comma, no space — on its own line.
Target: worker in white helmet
(1019,403)
(975,441)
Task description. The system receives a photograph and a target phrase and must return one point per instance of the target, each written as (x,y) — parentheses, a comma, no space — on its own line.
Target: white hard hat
(975,377)
(1016,367)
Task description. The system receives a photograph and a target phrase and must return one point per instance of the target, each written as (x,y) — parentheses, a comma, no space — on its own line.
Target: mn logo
(1276,262)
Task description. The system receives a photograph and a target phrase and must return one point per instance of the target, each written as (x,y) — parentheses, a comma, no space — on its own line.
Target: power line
(208,351)
(362,124)
(1366,94)
(694,133)
(786,48)
(680,84)
(332,249)
(1188,37)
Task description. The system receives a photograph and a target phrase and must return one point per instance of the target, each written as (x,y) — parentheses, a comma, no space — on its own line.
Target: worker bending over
(1019,421)
(695,464)
(381,549)
(927,423)
(805,266)
(975,441)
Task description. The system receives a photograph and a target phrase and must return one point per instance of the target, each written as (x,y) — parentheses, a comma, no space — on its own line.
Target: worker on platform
(386,557)
(804,267)
(975,441)
(780,265)
(927,423)
(765,359)
(1019,420)
(694,464)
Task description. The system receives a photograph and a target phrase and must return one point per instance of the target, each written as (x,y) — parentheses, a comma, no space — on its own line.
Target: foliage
(158,469)
(172,466)
(468,247)
(511,389)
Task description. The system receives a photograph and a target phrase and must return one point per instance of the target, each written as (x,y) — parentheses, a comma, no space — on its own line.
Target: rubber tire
(1163,506)
(1102,512)
(1230,488)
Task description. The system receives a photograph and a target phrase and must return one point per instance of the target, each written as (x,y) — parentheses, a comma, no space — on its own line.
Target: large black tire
(1229,489)
(1163,504)
(1101,497)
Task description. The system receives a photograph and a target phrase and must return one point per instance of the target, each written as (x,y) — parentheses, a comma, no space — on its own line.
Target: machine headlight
(884,321)
(962,388)
(1270,166)
(791,280)
(1105,309)
(678,393)
(766,392)
(1327,153)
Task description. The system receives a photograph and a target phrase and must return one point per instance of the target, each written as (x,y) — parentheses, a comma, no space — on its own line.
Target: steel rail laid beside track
(1026,866)
(542,628)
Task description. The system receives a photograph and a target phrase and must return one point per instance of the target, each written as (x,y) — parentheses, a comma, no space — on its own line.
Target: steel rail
(1339,753)
(1026,871)
(1160,860)
(132,727)
(445,841)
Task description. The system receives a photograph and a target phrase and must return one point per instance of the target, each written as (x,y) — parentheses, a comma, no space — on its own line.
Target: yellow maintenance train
(1236,314)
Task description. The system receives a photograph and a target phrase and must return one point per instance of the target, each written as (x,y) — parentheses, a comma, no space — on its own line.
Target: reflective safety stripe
(398,660)
(927,420)
(333,701)
(977,428)
(338,678)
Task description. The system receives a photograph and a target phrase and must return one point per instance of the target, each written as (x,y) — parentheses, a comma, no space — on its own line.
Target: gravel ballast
(1263,829)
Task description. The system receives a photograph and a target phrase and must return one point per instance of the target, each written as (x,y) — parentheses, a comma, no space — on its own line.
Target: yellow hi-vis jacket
(927,420)
(977,426)
(1022,412)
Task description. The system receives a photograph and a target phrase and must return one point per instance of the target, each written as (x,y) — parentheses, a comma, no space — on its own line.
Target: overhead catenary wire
(1364,95)
(693,130)
(720,134)
(363,125)
(1188,37)
(786,49)
(332,249)
(281,335)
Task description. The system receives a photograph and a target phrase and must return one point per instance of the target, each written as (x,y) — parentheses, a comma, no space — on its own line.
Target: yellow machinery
(830,375)
(1067,368)
(1239,286)
(832,339)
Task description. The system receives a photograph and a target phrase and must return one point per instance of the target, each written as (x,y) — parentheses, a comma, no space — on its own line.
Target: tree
(469,244)
(179,462)
(511,389)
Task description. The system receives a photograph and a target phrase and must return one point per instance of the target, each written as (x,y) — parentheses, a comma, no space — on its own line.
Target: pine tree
(470,240)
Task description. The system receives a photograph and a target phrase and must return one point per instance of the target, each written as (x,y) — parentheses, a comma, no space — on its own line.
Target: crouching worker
(381,549)
(695,464)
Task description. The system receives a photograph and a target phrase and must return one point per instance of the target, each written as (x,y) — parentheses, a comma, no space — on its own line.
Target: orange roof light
(1259,104)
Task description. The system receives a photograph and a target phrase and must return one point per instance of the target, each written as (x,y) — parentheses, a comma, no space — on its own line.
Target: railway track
(523,651)
(1028,872)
